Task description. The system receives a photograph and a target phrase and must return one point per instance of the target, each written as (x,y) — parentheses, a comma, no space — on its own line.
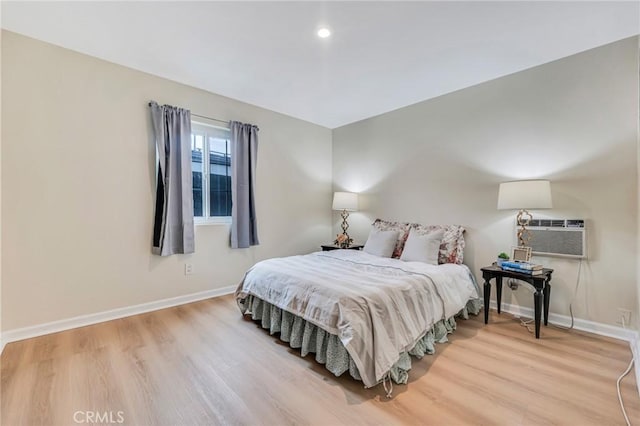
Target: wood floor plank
(203,363)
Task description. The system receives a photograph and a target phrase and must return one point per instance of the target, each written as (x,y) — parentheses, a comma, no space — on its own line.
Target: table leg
(499,292)
(547,295)
(537,299)
(487,295)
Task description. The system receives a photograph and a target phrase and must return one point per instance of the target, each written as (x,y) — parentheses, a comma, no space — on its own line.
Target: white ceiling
(380,57)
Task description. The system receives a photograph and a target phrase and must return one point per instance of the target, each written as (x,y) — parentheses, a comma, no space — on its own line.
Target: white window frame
(206,219)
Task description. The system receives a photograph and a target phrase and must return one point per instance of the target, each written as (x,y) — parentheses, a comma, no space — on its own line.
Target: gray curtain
(244,156)
(173,228)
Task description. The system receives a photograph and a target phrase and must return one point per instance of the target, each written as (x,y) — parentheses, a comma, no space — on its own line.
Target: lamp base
(344,215)
(523,219)
(344,240)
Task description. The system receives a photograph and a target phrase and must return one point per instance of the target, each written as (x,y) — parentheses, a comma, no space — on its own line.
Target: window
(212,178)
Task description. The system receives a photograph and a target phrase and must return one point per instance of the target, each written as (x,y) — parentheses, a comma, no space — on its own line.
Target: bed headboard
(451,247)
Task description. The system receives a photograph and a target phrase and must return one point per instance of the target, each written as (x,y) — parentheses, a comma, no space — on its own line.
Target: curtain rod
(204,116)
(209,118)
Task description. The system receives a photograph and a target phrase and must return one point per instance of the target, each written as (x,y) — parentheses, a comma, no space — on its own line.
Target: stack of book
(522,267)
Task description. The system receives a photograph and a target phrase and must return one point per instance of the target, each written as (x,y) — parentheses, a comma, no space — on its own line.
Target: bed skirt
(328,348)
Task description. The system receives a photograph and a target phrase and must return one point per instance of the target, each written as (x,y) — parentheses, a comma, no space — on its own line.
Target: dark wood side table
(541,283)
(329,247)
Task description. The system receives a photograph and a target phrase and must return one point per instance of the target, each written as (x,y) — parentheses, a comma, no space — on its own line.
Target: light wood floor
(203,363)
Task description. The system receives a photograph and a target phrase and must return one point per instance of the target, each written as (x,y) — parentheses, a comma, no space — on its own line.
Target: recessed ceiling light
(324,32)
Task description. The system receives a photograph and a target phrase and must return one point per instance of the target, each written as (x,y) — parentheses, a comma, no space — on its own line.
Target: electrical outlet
(513,285)
(624,316)
(188,269)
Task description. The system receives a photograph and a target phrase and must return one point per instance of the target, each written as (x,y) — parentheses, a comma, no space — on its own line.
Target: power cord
(624,412)
(620,395)
(575,294)
(526,324)
(513,286)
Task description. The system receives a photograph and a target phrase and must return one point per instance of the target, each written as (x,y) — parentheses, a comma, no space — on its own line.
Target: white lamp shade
(345,201)
(524,194)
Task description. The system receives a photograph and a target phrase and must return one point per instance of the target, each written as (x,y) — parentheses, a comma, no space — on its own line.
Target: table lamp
(523,195)
(345,202)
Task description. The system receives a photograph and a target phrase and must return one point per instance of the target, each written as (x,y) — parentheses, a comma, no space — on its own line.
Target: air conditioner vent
(557,223)
(575,223)
(558,237)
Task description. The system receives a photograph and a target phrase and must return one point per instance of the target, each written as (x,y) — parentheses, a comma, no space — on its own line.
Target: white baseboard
(84,320)
(578,324)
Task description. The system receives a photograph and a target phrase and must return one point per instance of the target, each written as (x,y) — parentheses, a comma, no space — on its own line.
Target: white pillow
(381,243)
(422,248)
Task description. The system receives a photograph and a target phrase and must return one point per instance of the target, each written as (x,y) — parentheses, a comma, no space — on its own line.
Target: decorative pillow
(452,245)
(400,227)
(381,243)
(422,248)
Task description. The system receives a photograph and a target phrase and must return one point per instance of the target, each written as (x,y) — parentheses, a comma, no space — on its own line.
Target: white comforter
(378,307)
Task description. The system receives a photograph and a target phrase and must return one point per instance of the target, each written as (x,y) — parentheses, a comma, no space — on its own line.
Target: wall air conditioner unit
(558,237)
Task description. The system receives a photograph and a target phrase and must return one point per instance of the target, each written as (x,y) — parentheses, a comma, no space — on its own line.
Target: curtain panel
(244,157)
(173,231)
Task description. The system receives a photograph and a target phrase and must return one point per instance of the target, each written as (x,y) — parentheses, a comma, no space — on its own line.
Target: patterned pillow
(403,233)
(452,246)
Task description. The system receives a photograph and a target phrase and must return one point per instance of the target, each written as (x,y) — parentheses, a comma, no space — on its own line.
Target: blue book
(522,271)
(522,266)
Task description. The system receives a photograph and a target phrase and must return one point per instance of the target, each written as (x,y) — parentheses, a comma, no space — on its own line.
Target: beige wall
(572,121)
(77,178)
(78,187)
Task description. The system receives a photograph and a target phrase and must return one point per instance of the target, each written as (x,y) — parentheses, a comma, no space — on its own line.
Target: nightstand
(329,247)
(540,283)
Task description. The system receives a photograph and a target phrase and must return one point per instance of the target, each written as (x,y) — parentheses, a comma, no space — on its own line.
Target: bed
(362,313)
